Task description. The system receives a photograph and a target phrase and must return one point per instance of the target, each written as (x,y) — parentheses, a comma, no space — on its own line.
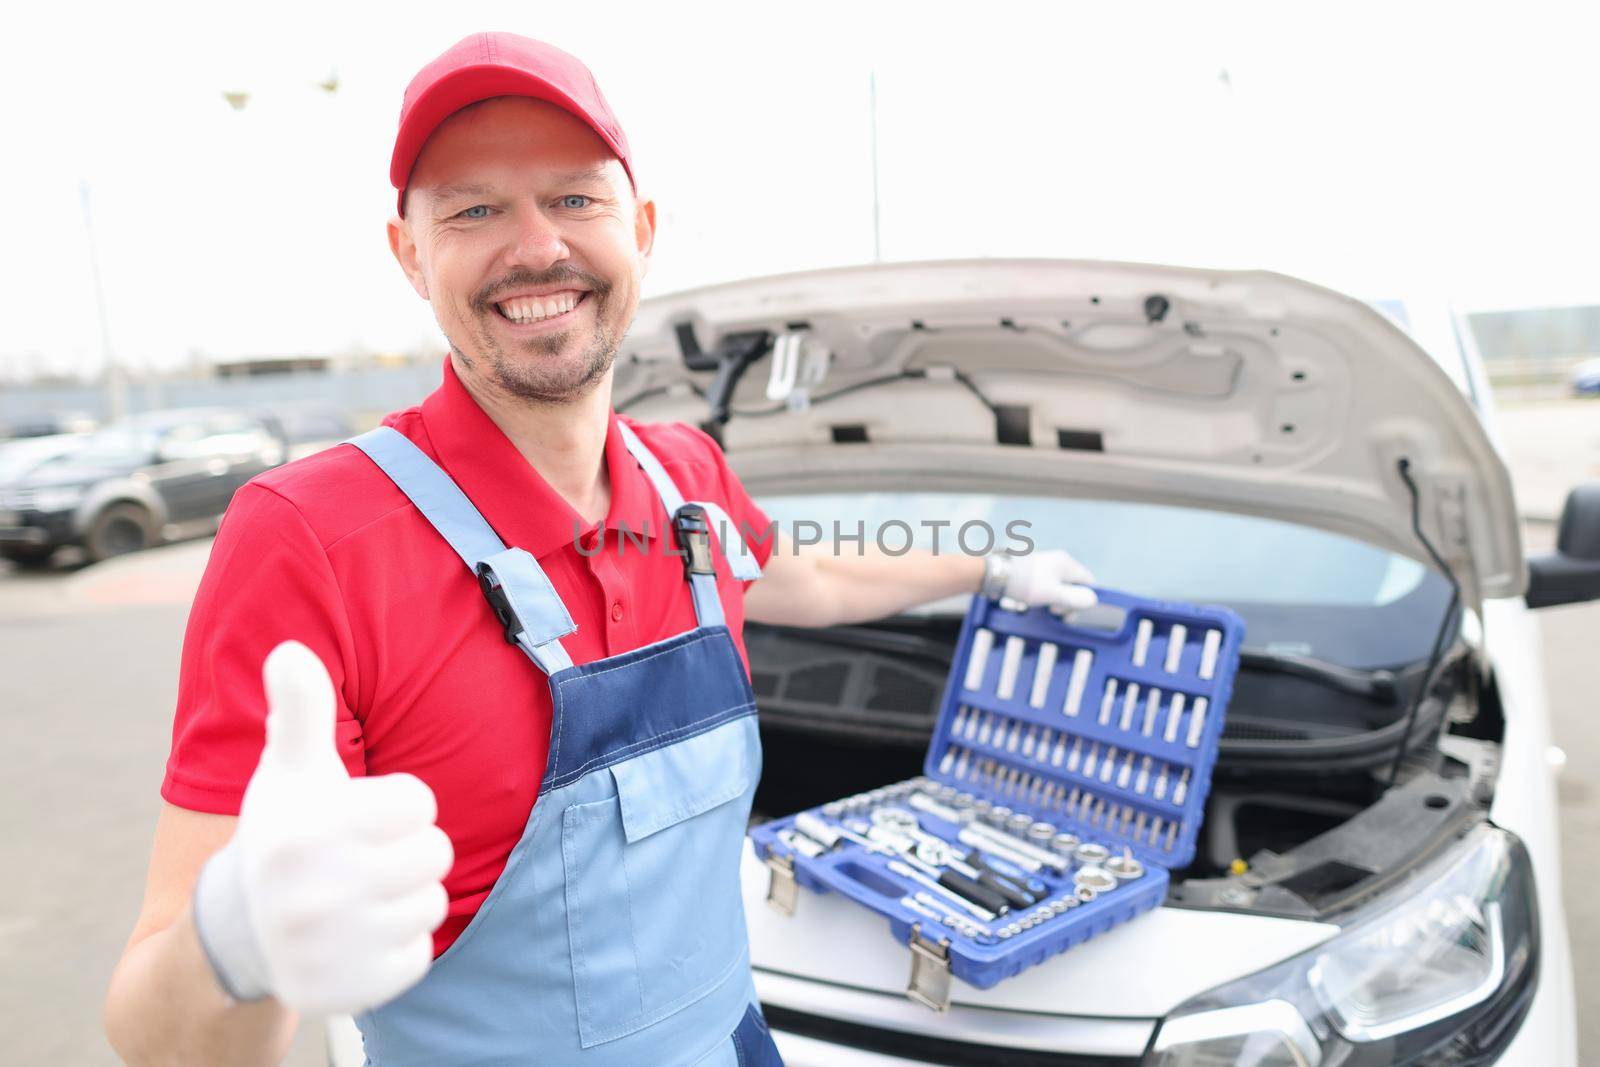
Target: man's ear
(405,253)
(644,232)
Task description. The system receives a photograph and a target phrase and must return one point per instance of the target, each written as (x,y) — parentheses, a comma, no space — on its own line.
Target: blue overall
(615,936)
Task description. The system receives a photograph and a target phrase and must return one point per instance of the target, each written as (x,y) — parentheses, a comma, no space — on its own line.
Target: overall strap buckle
(693,534)
(499,602)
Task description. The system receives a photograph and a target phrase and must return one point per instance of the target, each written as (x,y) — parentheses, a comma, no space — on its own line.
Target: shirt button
(616,611)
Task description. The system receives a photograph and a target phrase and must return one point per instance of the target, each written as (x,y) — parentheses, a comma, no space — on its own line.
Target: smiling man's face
(524,234)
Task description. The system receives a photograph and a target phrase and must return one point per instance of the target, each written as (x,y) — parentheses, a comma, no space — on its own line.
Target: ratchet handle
(1015,895)
(1009,873)
(980,895)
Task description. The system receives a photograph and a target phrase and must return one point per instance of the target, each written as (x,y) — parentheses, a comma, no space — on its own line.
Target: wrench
(905,870)
(828,834)
(1017,844)
(986,844)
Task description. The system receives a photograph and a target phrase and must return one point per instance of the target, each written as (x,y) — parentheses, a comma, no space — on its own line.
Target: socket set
(1067,773)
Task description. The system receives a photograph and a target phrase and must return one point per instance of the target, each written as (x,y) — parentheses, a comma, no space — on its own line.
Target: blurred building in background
(1536,347)
(1528,352)
(364,386)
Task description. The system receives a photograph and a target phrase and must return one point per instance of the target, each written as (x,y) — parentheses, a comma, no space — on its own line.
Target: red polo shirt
(328,551)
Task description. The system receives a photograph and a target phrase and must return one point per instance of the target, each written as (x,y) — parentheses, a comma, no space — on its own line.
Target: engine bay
(1322,792)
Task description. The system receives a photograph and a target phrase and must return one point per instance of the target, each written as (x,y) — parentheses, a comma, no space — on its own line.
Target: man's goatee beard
(522,379)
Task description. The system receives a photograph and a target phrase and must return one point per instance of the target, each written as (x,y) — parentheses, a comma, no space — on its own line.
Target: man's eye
(468,214)
(575,200)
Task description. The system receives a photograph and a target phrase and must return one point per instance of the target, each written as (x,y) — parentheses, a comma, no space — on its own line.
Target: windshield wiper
(868,638)
(1378,686)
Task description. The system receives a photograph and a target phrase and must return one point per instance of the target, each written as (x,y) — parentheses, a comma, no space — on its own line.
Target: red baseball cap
(498,64)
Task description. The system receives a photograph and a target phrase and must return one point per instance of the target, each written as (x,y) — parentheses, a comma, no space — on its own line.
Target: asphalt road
(88,659)
(89,664)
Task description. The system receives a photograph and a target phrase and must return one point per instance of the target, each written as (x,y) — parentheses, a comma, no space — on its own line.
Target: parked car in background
(22,456)
(134,483)
(47,425)
(309,428)
(1585,378)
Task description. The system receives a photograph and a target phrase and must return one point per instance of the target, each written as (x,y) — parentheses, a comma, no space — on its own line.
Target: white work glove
(327,893)
(1049,579)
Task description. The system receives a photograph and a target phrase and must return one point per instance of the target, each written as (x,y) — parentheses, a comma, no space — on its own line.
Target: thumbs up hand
(327,893)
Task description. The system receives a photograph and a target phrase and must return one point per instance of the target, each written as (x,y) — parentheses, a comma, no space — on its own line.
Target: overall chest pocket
(654,911)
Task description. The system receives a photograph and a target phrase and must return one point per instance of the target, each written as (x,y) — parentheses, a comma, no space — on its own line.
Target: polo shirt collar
(515,499)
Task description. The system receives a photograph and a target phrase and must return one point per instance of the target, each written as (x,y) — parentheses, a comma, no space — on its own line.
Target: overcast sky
(1431,149)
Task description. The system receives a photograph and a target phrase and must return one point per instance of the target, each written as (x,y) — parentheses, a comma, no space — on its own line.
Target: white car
(1584,379)
(1377,879)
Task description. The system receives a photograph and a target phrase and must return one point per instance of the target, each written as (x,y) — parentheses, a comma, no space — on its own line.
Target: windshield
(114,444)
(1301,590)
(20,458)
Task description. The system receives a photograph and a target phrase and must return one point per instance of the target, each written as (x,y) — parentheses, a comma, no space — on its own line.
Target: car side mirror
(1570,574)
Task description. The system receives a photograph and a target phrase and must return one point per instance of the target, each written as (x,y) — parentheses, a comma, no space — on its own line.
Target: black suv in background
(136,482)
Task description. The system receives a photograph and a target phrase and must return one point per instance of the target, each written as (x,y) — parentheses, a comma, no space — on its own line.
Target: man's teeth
(526,309)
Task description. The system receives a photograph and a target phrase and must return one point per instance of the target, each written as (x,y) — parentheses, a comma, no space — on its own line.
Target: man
(488,791)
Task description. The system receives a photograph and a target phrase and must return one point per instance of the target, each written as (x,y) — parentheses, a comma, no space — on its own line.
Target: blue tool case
(1067,773)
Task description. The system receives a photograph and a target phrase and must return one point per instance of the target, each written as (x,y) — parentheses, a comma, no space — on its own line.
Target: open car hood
(1243,391)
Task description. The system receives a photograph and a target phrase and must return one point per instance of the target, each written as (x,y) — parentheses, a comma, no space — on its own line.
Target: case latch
(783,892)
(930,971)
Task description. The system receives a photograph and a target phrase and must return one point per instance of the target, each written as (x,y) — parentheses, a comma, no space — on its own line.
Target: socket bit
(1097,878)
(1090,854)
(1125,867)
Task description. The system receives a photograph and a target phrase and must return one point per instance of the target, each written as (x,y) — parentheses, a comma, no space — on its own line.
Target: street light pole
(116,385)
(872,118)
(115,379)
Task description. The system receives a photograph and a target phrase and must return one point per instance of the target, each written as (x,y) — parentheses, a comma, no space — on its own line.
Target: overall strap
(690,530)
(516,588)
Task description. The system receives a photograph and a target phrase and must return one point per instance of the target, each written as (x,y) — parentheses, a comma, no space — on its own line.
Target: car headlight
(1439,972)
(51,498)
